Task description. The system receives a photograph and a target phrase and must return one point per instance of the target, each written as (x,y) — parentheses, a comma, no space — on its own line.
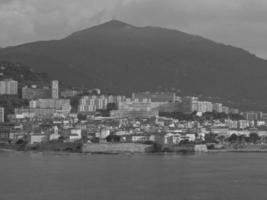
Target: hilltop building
(68,93)
(55,89)
(8,87)
(2,115)
(155,97)
(134,109)
(190,104)
(218,107)
(58,104)
(34,92)
(94,103)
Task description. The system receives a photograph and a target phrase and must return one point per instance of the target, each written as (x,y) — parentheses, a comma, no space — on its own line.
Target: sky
(241,23)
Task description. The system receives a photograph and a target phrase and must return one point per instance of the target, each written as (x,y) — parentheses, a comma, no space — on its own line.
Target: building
(233,111)
(155,97)
(225,109)
(252,116)
(204,106)
(218,107)
(55,89)
(34,92)
(75,134)
(69,93)
(190,104)
(2,115)
(8,87)
(37,138)
(58,104)
(39,113)
(94,103)
(133,109)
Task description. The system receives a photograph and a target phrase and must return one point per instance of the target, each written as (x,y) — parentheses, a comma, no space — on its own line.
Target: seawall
(115,148)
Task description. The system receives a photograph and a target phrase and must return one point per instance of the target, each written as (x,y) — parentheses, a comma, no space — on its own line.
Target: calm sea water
(48,176)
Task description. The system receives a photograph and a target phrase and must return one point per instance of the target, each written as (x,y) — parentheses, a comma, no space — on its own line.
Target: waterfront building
(225,109)
(58,104)
(8,87)
(253,116)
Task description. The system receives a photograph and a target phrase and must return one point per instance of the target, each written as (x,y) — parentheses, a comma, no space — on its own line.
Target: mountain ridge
(120,58)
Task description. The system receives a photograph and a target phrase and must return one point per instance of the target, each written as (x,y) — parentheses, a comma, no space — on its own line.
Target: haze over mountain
(118,57)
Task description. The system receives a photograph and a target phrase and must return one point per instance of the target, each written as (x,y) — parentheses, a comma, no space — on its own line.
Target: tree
(233,138)
(112,106)
(210,138)
(254,137)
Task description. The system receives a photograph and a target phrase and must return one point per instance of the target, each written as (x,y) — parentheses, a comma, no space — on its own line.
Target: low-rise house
(137,138)
(75,134)
(37,138)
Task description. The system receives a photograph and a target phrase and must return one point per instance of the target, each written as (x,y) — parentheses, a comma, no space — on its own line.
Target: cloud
(240,23)
(29,20)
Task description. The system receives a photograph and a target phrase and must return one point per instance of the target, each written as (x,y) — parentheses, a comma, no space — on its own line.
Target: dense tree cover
(205,116)
(21,73)
(10,102)
(253,138)
(179,115)
(24,75)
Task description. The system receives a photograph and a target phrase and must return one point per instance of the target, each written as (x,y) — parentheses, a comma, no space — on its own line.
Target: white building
(8,87)
(2,115)
(75,134)
(218,107)
(37,138)
(55,89)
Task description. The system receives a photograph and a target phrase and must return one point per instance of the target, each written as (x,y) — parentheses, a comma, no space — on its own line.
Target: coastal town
(62,119)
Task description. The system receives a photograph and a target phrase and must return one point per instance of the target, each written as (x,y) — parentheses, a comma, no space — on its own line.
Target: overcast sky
(241,23)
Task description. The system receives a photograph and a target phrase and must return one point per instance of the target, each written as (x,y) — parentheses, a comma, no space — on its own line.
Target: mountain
(21,73)
(118,57)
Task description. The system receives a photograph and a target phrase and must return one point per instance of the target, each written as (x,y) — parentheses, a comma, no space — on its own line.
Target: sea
(70,176)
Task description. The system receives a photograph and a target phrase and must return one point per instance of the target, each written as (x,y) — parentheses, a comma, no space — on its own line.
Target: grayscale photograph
(133,99)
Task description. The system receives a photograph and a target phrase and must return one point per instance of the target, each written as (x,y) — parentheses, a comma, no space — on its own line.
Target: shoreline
(237,151)
(19,149)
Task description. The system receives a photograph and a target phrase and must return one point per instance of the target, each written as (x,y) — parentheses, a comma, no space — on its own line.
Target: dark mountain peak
(115,24)
(110,26)
(120,58)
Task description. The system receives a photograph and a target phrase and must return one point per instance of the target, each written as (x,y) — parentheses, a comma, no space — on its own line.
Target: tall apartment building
(234,110)
(55,89)
(8,87)
(225,109)
(135,109)
(218,107)
(94,103)
(204,106)
(2,115)
(251,116)
(190,104)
